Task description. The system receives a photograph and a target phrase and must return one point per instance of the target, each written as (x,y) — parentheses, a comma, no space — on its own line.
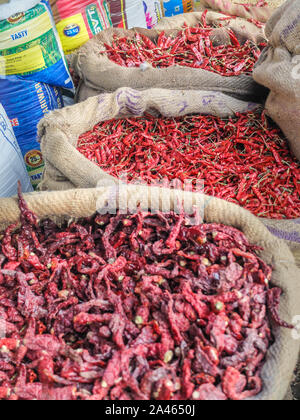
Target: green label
(94,19)
(106,8)
(20,18)
(35,166)
(49,47)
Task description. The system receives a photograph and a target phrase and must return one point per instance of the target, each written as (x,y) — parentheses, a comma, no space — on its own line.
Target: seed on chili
(168,356)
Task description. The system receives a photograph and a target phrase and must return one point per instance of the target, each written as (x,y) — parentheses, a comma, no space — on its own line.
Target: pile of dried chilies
(248,7)
(132,307)
(244,160)
(192,47)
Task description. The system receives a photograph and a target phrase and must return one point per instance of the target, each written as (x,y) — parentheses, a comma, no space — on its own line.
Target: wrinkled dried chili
(245,160)
(85,322)
(192,47)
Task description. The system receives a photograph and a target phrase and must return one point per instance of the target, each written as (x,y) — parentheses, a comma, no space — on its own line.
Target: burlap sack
(279,70)
(289,231)
(56,181)
(237,8)
(282,356)
(59,131)
(65,168)
(84,92)
(98,72)
(244,29)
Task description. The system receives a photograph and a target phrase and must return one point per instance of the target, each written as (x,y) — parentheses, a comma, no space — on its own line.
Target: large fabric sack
(98,72)
(83,92)
(248,9)
(282,356)
(289,231)
(59,131)
(278,69)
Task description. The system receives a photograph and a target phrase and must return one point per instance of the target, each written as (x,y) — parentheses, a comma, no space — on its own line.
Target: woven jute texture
(282,356)
(101,74)
(289,231)
(279,70)
(247,9)
(84,92)
(59,131)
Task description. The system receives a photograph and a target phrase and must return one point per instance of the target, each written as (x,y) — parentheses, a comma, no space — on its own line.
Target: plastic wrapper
(29,44)
(79,20)
(128,14)
(259,10)
(177,7)
(12,167)
(26,103)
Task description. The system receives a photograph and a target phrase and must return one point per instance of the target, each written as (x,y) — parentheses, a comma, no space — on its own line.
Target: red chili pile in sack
(244,160)
(136,307)
(192,47)
(248,7)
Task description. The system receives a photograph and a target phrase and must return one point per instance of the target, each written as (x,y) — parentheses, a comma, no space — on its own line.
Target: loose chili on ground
(244,160)
(192,47)
(125,307)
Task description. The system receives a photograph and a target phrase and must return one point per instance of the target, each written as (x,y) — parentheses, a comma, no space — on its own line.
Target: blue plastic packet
(26,103)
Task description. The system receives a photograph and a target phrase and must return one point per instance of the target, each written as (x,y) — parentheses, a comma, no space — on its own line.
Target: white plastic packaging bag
(12,167)
(127,14)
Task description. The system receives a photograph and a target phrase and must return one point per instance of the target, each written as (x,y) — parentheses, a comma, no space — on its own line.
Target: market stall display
(160,258)
(29,44)
(115,247)
(12,167)
(79,20)
(26,103)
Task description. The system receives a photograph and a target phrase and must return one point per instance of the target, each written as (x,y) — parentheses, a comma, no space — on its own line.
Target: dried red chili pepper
(245,159)
(192,47)
(140,325)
